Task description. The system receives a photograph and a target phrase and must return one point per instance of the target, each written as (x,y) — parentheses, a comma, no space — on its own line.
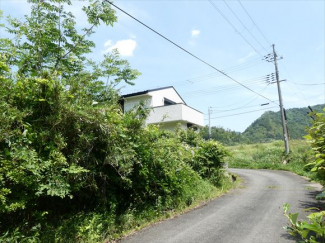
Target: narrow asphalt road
(251,213)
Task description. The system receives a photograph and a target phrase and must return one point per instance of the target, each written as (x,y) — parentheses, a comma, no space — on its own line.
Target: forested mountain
(266,128)
(269,127)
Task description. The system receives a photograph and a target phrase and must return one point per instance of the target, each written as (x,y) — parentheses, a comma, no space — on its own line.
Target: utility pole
(209,110)
(284,126)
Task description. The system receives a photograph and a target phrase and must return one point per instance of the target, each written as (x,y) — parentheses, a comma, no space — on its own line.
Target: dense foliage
(316,135)
(225,136)
(73,167)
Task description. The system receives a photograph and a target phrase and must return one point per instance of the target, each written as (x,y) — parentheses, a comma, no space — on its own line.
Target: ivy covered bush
(73,166)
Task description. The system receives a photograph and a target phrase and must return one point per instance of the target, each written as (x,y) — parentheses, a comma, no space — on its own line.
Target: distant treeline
(266,128)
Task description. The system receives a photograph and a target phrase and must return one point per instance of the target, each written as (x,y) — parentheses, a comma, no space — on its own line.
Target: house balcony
(175,113)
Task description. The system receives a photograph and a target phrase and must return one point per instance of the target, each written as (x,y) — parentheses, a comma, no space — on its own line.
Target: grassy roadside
(271,156)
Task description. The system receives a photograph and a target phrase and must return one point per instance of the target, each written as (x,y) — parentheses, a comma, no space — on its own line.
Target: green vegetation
(311,231)
(266,129)
(316,135)
(225,136)
(73,167)
(272,156)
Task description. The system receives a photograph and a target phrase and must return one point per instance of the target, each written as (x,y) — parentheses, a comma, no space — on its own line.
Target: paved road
(249,214)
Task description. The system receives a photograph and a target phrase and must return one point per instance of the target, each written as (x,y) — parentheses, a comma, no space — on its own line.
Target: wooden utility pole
(284,126)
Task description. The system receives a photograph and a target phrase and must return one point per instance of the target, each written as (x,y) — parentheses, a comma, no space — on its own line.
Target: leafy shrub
(312,231)
(209,159)
(316,135)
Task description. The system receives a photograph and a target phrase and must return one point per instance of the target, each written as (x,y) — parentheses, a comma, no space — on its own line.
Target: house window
(168,102)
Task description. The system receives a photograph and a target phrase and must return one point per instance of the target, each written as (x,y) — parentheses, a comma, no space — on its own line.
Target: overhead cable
(306,84)
(228,21)
(249,102)
(218,89)
(237,114)
(201,60)
(222,111)
(244,25)
(254,22)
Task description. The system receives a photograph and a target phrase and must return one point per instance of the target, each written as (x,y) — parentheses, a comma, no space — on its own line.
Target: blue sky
(295,27)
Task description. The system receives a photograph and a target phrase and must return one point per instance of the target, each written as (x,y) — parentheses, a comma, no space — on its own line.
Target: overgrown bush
(316,135)
(73,167)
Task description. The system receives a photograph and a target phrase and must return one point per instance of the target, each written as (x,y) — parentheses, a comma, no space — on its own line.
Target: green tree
(60,117)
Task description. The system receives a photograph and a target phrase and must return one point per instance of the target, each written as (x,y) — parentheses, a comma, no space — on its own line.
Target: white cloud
(195,33)
(244,59)
(108,43)
(124,47)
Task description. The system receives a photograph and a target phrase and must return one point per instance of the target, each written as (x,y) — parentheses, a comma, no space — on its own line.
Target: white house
(167,108)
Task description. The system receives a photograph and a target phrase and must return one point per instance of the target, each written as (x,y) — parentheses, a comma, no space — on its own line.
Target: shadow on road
(289,237)
(313,203)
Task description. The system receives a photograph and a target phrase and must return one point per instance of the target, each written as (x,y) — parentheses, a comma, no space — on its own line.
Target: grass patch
(271,156)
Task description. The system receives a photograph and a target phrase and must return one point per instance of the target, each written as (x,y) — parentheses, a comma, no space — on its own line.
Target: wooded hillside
(266,128)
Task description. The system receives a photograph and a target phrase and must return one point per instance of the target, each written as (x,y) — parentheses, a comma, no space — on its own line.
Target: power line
(187,51)
(214,75)
(237,114)
(217,74)
(244,25)
(201,78)
(302,95)
(228,21)
(211,92)
(254,22)
(306,84)
(251,101)
(222,111)
(217,89)
(263,79)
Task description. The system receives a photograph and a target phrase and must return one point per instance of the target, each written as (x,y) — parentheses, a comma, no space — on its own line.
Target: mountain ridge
(266,128)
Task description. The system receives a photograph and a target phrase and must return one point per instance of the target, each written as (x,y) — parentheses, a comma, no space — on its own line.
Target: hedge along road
(250,213)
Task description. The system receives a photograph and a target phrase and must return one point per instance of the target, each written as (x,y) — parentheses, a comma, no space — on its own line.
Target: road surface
(251,213)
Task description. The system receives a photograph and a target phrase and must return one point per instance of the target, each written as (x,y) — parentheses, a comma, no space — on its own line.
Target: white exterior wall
(159,95)
(166,116)
(175,113)
(193,116)
(131,102)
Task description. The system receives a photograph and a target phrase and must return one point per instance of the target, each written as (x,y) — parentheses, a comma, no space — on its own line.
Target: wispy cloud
(124,47)
(195,33)
(244,59)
